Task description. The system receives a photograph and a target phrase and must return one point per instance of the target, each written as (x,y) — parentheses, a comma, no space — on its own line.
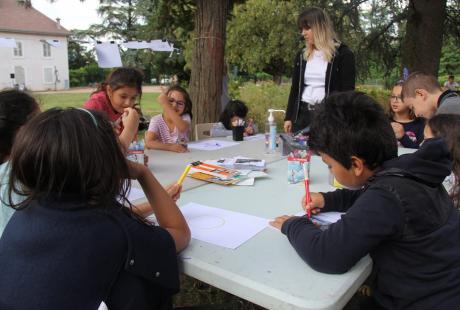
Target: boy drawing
(397,209)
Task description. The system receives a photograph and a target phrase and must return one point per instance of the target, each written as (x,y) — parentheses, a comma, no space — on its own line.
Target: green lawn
(64,100)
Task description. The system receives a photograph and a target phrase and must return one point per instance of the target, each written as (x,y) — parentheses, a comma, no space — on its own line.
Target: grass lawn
(149,103)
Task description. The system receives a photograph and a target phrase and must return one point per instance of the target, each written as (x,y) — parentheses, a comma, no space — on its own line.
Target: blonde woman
(324,66)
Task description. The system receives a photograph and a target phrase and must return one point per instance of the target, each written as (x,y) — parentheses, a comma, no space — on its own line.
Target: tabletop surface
(266,270)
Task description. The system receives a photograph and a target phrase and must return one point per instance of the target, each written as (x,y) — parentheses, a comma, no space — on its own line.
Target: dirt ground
(145,89)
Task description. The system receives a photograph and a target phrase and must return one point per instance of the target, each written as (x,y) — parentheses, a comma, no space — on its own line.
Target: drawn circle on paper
(206,222)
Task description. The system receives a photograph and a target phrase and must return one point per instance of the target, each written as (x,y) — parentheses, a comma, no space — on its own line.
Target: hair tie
(90,114)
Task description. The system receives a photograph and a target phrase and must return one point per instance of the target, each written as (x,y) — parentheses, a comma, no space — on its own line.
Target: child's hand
(287,126)
(279,221)
(130,117)
(249,130)
(178,148)
(398,129)
(174,191)
(316,203)
(163,99)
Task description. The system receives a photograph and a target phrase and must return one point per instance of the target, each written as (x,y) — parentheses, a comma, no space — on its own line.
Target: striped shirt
(161,130)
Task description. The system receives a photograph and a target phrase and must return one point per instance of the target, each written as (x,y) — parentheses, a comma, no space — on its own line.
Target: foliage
(450,57)
(90,74)
(262,96)
(262,36)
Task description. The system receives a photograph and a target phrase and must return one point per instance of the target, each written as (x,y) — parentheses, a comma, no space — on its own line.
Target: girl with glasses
(408,129)
(170,131)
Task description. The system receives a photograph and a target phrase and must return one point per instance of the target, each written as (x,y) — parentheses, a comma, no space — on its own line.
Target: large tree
(208,59)
(421,50)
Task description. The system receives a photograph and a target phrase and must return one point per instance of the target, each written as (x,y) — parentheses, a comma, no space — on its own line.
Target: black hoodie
(405,220)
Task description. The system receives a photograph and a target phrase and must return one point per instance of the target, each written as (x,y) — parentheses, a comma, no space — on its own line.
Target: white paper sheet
(161,46)
(324,218)
(7,42)
(136,44)
(221,227)
(108,55)
(328,217)
(211,145)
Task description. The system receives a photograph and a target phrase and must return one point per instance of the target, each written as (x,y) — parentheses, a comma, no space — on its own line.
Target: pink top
(99,101)
(160,128)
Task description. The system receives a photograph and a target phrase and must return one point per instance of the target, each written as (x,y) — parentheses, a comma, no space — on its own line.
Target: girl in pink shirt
(170,130)
(118,97)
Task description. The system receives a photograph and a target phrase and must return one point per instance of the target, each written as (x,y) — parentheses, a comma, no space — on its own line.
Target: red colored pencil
(307,188)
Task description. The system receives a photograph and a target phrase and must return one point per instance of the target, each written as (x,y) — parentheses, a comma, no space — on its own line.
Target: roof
(15,18)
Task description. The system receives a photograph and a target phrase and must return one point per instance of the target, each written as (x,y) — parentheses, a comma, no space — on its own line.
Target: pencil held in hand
(183,175)
(307,188)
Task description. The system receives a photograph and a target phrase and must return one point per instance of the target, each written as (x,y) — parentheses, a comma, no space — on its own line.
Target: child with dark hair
(72,228)
(235,111)
(118,97)
(170,131)
(447,126)
(16,109)
(396,209)
(407,127)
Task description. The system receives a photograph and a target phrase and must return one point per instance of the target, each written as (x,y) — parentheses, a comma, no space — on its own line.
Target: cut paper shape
(221,227)
(7,42)
(161,46)
(108,55)
(136,44)
(211,145)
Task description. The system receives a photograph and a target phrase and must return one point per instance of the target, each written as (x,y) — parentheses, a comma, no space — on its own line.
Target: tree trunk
(208,60)
(421,50)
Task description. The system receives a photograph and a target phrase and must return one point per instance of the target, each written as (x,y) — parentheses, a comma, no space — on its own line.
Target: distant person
(450,84)
(235,112)
(16,109)
(74,243)
(408,129)
(323,67)
(397,209)
(170,131)
(118,97)
(447,126)
(424,94)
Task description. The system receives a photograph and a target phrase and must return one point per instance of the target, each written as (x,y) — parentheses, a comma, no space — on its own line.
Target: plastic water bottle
(270,132)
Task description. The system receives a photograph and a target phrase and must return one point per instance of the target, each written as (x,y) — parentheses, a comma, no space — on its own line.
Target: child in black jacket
(397,209)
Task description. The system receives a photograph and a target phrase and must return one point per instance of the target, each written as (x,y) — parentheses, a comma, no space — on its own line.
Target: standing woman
(324,66)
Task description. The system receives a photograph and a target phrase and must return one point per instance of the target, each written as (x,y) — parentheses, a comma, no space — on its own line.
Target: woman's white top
(315,78)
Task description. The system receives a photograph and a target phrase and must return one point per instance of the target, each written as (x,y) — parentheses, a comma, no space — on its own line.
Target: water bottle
(270,132)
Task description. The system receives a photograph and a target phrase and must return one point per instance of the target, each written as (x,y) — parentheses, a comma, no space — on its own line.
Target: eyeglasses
(179,103)
(395,98)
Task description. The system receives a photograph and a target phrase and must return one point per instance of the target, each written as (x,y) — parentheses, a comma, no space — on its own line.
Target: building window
(18,49)
(46,50)
(48,75)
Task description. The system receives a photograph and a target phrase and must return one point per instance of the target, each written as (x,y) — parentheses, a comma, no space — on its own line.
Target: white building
(39,60)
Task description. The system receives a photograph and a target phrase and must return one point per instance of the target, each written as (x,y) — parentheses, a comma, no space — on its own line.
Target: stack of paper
(240,163)
(215,174)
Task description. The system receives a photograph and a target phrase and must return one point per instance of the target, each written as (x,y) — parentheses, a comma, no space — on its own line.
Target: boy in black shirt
(397,209)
